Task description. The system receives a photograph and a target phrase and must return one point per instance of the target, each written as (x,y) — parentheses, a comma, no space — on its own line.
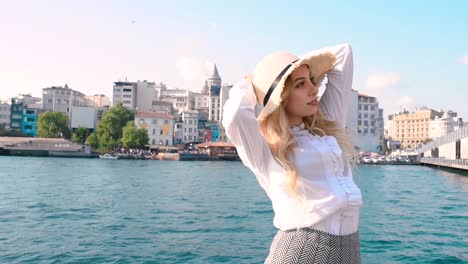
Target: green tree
(92,140)
(53,125)
(80,135)
(11,133)
(109,131)
(133,137)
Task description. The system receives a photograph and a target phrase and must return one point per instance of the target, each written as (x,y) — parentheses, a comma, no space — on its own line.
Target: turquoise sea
(55,210)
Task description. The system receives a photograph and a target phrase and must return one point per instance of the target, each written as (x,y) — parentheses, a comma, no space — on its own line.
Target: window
(360,107)
(372,116)
(190,122)
(154,131)
(166,121)
(366,107)
(366,115)
(372,131)
(190,137)
(365,130)
(359,122)
(366,123)
(153,141)
(372,107)
(57,101)
(190,130)
(167,142)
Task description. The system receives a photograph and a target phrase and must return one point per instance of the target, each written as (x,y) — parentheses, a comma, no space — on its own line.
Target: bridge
(449,151)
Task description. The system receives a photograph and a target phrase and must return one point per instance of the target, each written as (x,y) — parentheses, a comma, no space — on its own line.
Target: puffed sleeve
(242,129)
(335,99)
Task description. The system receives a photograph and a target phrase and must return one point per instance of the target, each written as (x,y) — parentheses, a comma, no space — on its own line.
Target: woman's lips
(313,102)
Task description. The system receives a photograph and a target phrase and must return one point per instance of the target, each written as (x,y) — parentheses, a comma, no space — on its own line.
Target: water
(125,211)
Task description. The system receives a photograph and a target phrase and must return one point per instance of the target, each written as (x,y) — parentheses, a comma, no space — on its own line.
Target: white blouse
(331,199)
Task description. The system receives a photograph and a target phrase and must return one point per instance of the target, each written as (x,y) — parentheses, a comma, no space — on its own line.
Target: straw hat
(271,73)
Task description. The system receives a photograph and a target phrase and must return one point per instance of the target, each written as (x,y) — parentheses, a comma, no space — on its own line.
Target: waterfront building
(62,99)
(411,129)
(160,127)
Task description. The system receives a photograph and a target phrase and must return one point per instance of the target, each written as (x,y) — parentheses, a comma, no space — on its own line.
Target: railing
(444,160)
(450,137)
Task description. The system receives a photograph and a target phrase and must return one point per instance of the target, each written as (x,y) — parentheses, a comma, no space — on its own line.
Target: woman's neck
(294,121)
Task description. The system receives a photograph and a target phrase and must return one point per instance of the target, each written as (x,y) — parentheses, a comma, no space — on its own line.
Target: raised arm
(335,99)
(243,130)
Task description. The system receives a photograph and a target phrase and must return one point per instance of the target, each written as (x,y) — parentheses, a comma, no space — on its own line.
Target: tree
(110,127)
(11,133)
(80,135)
(92,140)
(53,125)
(133,137)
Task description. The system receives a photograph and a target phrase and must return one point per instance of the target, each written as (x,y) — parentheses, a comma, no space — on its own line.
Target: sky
(406,53)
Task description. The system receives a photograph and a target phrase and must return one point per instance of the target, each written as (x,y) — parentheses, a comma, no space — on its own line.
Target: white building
(62,99)
(137,96)
(443,125)
(190,126)
(5,115)
(146,94)
(161,106)
(178,132)
(85,117)
(99,100)
(352,118)
(181,99)
(125,93)
(201,102)
(160,127)
(370,123)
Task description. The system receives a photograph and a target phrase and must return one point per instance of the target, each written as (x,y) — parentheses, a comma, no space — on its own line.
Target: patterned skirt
(307,245)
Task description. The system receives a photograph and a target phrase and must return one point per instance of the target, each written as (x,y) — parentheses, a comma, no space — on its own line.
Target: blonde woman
(299,153)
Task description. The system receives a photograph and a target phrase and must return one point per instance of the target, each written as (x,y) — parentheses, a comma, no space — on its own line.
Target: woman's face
(302,99)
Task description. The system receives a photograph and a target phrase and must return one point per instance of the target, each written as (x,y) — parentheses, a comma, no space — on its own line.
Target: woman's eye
(300,84)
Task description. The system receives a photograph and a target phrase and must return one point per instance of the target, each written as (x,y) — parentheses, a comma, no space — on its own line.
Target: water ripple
(91,211)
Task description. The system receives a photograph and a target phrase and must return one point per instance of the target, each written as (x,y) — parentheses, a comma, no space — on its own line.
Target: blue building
(29,124)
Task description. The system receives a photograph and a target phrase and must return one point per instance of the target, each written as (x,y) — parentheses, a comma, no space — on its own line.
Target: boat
(108,156)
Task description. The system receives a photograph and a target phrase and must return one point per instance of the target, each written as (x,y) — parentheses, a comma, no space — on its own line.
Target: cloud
(386,86)
(193,72)
(406,102)
(382,80)
(464,60)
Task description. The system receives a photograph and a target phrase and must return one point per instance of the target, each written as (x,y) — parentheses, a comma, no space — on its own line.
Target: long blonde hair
(276,131)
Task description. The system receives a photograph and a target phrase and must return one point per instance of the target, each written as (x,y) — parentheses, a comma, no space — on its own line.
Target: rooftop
(153,115)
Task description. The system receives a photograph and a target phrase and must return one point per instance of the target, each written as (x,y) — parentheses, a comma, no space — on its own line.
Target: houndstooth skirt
(307,245)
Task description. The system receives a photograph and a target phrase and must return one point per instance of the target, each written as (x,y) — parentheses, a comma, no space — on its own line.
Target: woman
(299,153)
